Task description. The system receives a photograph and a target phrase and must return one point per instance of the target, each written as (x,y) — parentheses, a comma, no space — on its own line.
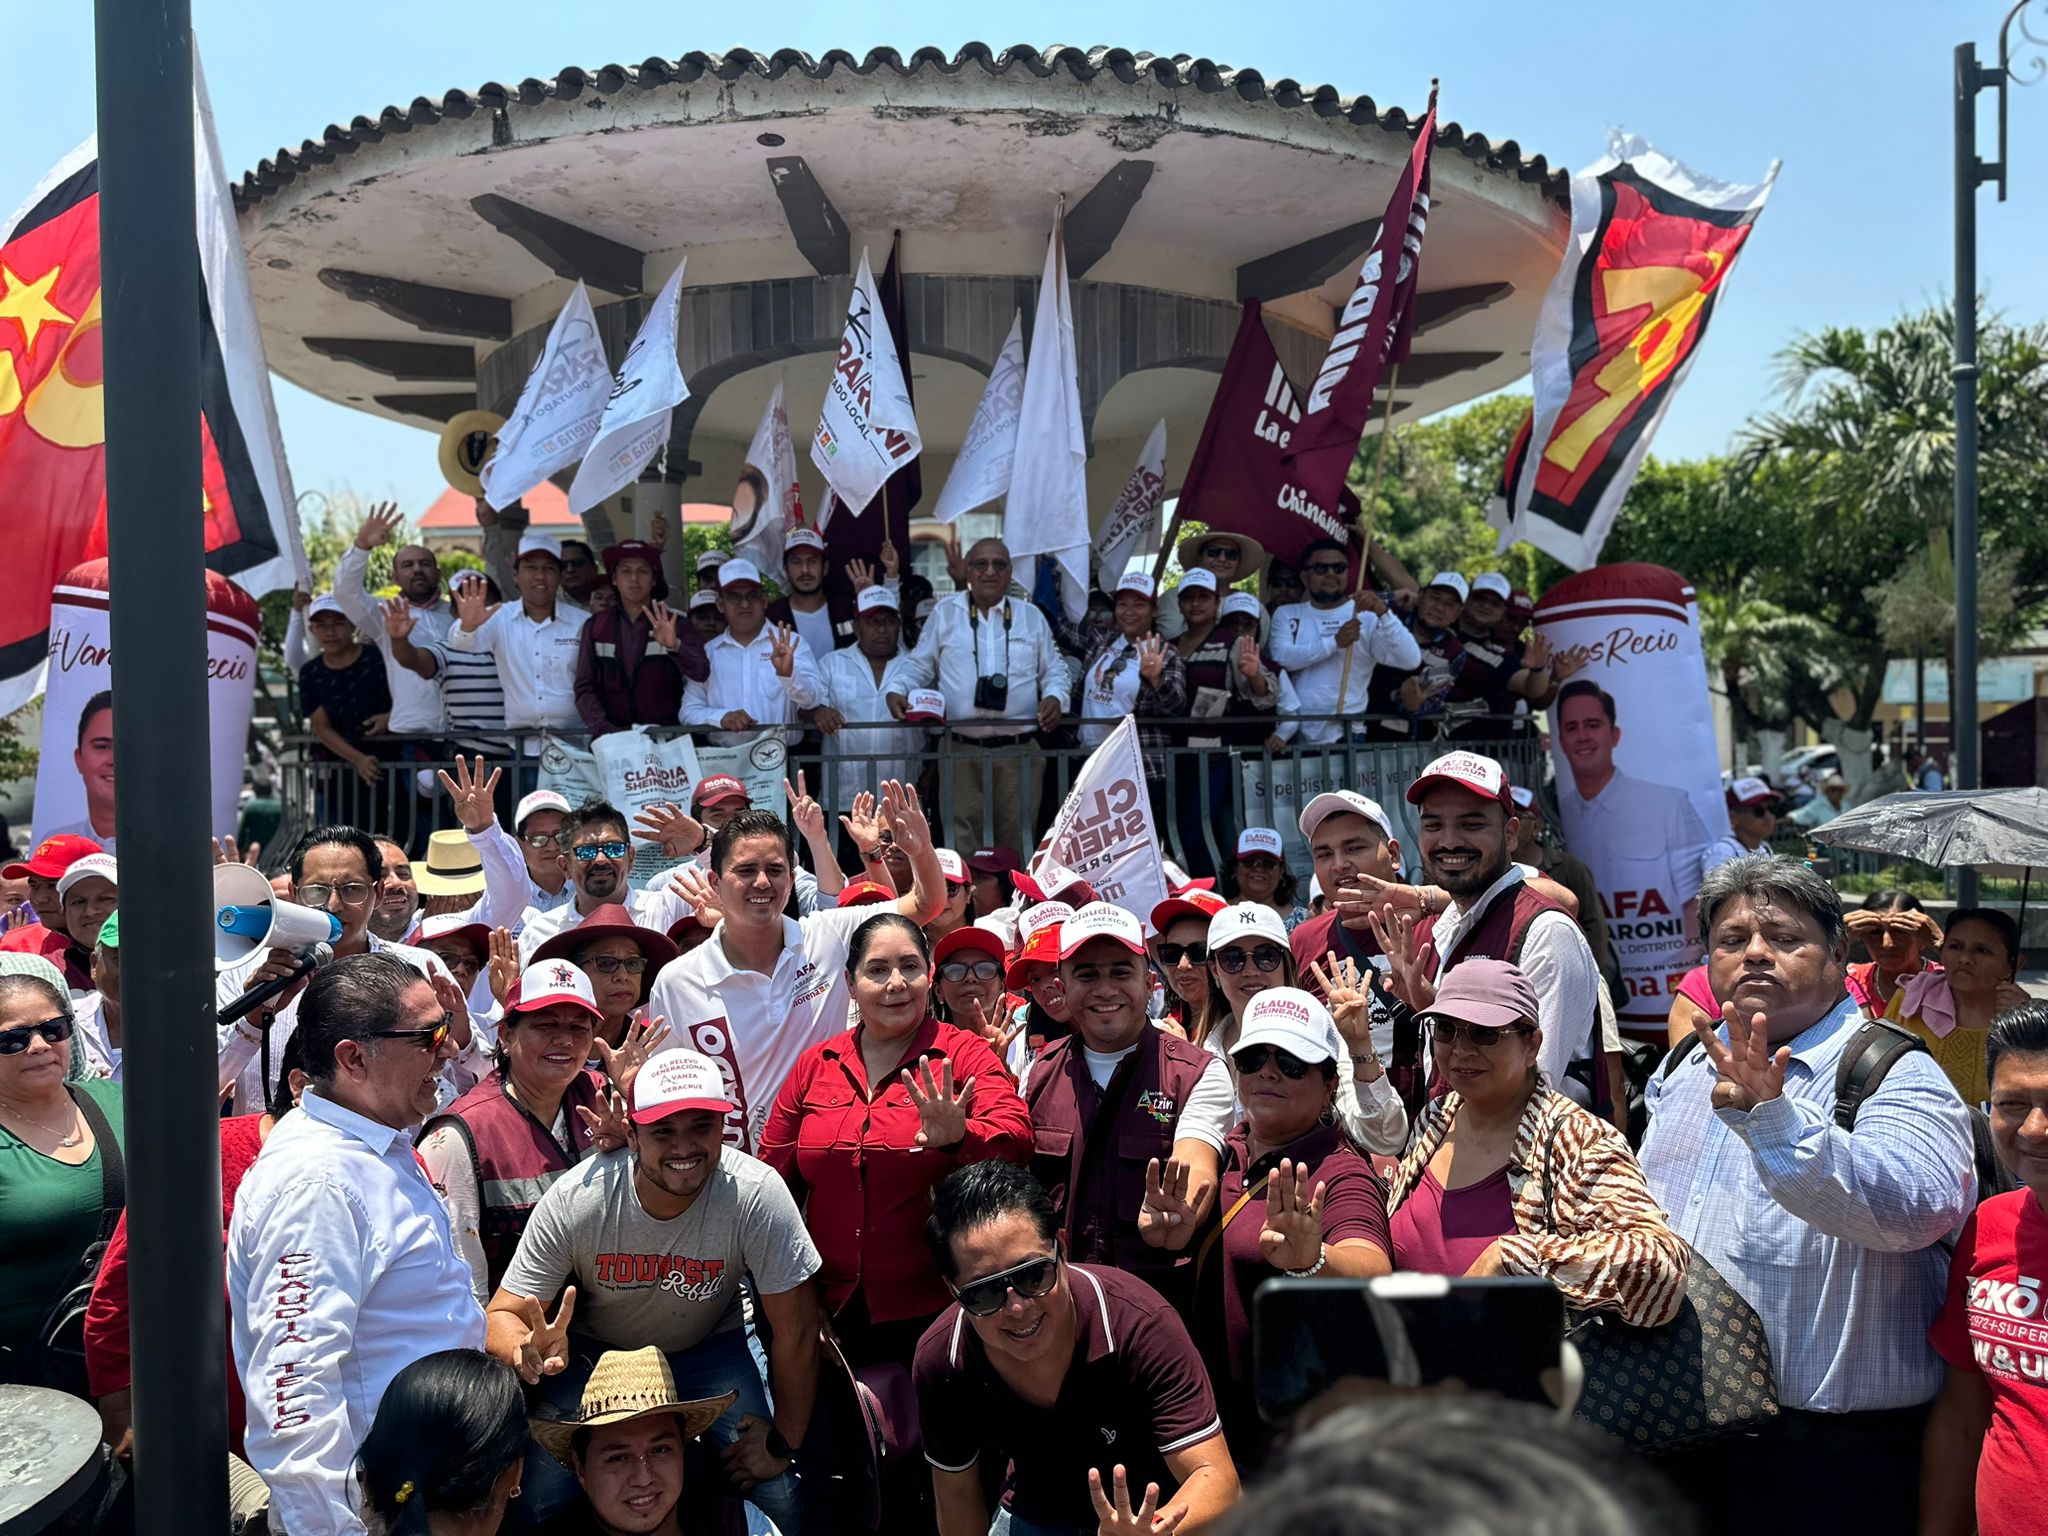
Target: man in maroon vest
(1466,816)
(1129,1120)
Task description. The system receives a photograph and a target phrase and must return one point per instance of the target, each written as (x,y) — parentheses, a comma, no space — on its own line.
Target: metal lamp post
(1971,172)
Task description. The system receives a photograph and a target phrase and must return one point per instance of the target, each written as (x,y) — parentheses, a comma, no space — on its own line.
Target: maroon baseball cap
(994,861)
(52,856)
(1491,993)
(717,789)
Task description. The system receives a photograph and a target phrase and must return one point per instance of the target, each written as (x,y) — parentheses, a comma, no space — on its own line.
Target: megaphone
(248,917)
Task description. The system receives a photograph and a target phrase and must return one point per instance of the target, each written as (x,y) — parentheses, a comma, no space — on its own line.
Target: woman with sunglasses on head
(52,1163)
(1248,955)
(1951,1006)
(1507,1177)
(1259,873)
(869,1122)
(1904,941)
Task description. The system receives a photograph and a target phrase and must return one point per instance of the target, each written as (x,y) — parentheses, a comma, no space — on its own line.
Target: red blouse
(851,1161)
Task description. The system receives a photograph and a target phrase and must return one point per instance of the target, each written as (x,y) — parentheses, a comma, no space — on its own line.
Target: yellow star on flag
(28,304)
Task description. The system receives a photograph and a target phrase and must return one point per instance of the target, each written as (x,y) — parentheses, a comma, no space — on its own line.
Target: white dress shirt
(954,651)
(536,663)
(415,700)
(1638,836)
(1305,643)
(657,907)
(743,677)
(341,1272)
(882,752)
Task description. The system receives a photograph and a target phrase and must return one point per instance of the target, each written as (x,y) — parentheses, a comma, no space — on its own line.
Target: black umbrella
(1956,827)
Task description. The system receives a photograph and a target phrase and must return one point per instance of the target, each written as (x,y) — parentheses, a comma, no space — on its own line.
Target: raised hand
(544,1351)
(860,574)
(503,967)
(695,887)
(225,852)
(1570,662)
(678,833)
(1349,1002)
(1750,1072)
(1167,1217)
(607,1123)
(808,815)
(471,793)
(1248,663)
(473,607)
(1116,1517)
(862,823)
(891,561)
(1405,973)
(1292,1237)
(782,649)
(398,618)
(377,528)
(1536,654)
(661,620)
(301,599)
(448,993)
(956,565)
(1151,659)
(643,1038)
(657,529)
(942,1113)
(907,824)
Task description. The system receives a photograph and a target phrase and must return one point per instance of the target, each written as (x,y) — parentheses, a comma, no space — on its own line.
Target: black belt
(990,741)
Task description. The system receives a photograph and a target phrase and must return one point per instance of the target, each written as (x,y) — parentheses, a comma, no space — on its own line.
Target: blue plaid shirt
(1833,1236)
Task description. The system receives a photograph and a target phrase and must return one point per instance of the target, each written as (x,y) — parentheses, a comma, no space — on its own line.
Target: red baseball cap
(1467,770)
(866,893)
(52,856)
(717,789)
(1055,883)
(980,940)
(1204,904)
(1040,935)
(994,861)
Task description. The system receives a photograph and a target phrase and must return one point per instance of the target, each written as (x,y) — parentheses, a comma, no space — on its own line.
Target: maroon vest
(1093,1145)
(515,1156)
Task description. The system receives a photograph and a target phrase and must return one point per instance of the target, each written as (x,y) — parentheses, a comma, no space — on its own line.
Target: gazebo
(409,264)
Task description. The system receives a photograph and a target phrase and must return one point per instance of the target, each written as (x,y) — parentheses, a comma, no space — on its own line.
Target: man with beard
(580,575)
(1465,813)
(416,705)
(804,607)
(398,896)
(1311,641)
(600,852)
(655,1248)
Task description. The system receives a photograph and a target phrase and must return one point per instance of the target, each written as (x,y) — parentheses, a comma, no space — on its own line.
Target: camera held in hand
(992,693)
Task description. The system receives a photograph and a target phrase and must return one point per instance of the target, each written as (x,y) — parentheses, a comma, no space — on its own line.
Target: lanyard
(974,629)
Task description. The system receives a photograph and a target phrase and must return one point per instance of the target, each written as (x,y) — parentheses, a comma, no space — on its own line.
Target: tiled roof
(1178,72)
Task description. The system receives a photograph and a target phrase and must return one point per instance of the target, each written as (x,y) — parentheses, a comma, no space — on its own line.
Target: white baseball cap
(802,538)
(539,544)
(1292,1020)
(1523,798)
(872,598)
(735,571)
(1099,920)
(712,559)
(675,1080)
(1240,603)
(703,597)
(100,864)
(548,982)
(1246,920)
(1201,579)
(539,800)
(1750,791)
(1495,582)
(1139,582)
(325,603)
(1468,770)
(1260,840)
(1454,581)
(1044,915)
(953,867)
(924,705)
(1346,802)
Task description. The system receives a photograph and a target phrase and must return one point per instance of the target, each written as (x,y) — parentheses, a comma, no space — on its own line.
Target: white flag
(1104,831)
(559,410)
(1047,511)
(867,430)
(770,481)
(1136,512)
(982,472)
(643,402)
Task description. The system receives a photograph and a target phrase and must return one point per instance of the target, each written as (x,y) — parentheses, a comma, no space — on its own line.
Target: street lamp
(1971,78)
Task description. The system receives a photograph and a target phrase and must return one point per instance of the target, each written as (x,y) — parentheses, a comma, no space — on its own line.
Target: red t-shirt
(1994,1323)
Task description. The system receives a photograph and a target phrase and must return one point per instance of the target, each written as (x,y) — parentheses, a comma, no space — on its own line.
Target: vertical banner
(1638,777)
(75,777)
(1132,528)
(867,428)
(1104,830)
(981,471)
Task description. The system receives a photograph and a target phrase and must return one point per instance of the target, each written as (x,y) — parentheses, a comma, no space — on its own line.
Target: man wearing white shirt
(341,1266)
(1311,639)
(858,681)
(995,660)
(416,704)
(804,605)
(761,675)
(600,849)
(535,643)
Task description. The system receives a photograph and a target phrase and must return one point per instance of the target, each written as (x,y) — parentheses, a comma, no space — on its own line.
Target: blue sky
(1854,98)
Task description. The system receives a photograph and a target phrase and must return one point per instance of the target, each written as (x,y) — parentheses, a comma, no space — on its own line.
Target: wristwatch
(778,1447)
(1322,1258)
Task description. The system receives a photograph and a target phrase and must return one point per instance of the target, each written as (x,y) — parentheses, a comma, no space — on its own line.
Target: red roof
(548,503)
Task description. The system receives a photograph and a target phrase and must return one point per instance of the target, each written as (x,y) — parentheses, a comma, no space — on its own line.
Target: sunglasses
(1196,953)
(589,853)
(1265,863)
(430,1037)
(353,894)
(1252,1059)
(977,970)
(1267,957)
(611,965)
(1326,568)
(1482,1037)
(987,1296)
(544,839)
(14,1041)
(1220,552)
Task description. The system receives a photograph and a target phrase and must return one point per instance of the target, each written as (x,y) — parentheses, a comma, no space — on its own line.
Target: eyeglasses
(1481,1037)
(1220,552)
(976,970)
(1326,568)
(611,965)
(590,852)
(1196,953)
(1267,957)
(988,565)
(16,1040)
(1032,1279)
(545,839)
(430,1037)
(1252,1059)
(353,893)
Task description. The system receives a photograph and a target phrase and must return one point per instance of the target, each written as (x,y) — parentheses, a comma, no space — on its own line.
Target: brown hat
(612,921)
(629,1384)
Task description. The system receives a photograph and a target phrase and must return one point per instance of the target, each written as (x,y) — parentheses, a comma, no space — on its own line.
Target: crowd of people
(927,1191)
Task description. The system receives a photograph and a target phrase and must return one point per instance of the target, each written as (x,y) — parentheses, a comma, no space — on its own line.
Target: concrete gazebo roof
(409,264)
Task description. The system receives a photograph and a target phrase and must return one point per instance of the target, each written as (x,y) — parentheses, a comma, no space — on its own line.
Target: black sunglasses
(1171,955)
(1220,552)
(14,1041)
(1484,1037)
(1031,1279)
(1252,1059)
(1326,568)
(1267,957)
(979,970)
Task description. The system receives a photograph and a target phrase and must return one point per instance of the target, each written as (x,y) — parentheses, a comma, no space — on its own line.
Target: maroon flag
(1373,330)
(1236,482)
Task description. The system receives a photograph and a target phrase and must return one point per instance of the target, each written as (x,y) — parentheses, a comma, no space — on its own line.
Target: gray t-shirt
(672,1284)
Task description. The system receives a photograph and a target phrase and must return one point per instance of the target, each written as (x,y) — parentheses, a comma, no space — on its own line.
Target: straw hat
(453,867)
(629,1384)
(466,444)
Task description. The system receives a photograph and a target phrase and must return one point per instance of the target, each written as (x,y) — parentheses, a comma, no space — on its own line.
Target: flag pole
(1379,470)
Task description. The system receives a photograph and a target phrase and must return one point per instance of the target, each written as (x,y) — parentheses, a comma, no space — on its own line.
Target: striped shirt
(1833,1236)
(473,695)
(1598,1237)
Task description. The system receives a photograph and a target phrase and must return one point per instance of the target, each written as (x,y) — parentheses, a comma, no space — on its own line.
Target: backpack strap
(1872,1052)
(113,1170)
(1677,1057)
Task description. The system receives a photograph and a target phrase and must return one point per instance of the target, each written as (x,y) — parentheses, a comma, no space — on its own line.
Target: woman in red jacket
(868,1123)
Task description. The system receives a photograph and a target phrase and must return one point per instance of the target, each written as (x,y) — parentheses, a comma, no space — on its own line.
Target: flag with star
(53,489)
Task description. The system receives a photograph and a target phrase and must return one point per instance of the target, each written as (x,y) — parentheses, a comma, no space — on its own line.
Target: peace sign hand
(1151,659)
(661,619)
(1292,1237)
(808,815)
(1750,1072)
(545,1349)
(782,649)
(472,793)
(1167,1218)
(1117,1518)
(504,964)
(643,1038)
(377,528)
(942,1113)
(398,618)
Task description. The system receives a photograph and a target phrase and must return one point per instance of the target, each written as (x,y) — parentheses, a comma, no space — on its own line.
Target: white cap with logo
(676,1080)
(1200,579)
(1138,581)
(802,538)
(539,800)
(1453,581)
(1099,920)
(1494,582)
(875,597)
(735,571)
(1240,603)
(1291,1020)
(1246,920)
(1259,840)
(548,982)
(1343,802)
